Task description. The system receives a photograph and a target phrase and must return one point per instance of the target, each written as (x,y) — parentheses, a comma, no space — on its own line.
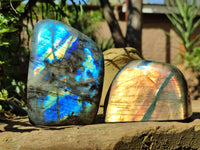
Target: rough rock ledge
(19,134)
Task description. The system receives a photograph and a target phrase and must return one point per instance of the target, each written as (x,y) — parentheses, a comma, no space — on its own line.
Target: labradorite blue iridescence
(65,75)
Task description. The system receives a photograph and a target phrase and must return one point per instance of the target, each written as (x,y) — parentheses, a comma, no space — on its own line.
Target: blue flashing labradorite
(65,75)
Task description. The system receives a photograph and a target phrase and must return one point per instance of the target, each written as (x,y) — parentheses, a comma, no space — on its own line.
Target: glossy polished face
(65,74)
(145,90)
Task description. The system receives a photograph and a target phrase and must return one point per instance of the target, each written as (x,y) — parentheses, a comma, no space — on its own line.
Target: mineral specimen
(65,75)
(114,60)
(146,90)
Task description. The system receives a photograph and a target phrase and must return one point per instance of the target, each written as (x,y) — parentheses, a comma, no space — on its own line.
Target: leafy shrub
(5,29)
(192,59)
(183,16)
(9,76)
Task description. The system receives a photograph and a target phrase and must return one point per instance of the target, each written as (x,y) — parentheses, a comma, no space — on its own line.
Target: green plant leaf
(81,9)
(1,96)
(190,44)
(174,14)
(190,22)
(4,93)
(2,62)
(195,26)
(185,10)
(180,7)
(173,36)
(13,83)
(176,26)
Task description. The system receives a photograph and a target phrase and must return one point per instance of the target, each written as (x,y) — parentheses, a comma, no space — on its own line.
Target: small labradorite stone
(65,75)
(146,90)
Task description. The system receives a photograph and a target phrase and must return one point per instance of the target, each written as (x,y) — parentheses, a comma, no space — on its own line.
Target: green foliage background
(18,19)
(185,19)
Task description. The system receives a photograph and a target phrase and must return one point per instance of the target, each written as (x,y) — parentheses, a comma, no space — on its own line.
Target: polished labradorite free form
(65,75)
(148,91)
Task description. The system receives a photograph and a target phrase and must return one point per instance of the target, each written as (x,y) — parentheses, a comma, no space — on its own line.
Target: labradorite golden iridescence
(147,90)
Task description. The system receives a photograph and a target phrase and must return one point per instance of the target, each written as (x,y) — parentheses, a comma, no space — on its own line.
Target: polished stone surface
(65,75)
(146,90)
(114,60)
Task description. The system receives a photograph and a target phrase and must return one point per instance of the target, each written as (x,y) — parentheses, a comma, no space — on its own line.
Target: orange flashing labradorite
(146,90)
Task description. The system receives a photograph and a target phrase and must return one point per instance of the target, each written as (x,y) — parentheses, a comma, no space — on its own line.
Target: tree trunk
(117,36)
(134,25)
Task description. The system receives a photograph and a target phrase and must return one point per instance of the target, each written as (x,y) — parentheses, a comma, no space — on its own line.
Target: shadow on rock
(22,124)
(99,119)
(16,125)
(195,115)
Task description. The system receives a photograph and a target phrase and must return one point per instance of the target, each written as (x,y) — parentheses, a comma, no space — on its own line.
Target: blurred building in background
(156,45)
